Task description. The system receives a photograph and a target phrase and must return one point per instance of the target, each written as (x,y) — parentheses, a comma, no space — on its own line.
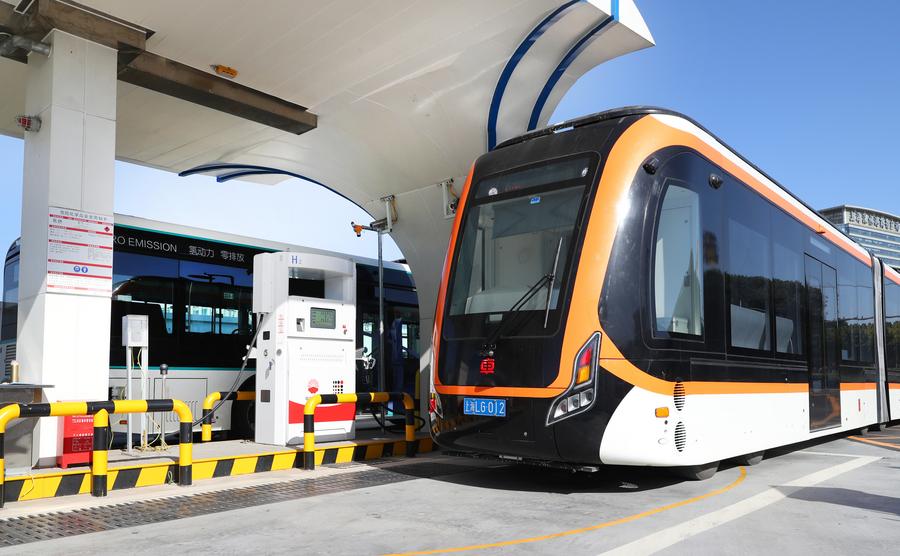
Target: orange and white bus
(625,288)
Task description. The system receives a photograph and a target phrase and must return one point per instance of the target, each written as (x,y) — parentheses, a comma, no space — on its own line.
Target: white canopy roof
(407,92)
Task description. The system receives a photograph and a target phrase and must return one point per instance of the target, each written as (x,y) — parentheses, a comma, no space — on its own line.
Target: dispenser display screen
(322,318)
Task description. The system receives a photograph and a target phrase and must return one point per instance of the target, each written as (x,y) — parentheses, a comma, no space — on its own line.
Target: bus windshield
(514,228)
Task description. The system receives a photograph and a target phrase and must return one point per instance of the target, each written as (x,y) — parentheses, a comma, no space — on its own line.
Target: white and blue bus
(195,286)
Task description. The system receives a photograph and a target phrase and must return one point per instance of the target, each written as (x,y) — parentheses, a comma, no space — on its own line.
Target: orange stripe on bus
(687,139)
(893,386)
(646,136)
(892,274)
(445,278)
(850,386)
(509,392)
(626,371)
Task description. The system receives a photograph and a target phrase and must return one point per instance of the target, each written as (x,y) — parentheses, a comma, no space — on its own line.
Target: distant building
(877,231)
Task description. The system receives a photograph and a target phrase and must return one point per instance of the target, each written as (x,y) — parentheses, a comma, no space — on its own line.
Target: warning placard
(79,252)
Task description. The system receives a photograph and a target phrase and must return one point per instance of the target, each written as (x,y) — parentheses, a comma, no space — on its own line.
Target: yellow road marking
(875,442)
(603,525)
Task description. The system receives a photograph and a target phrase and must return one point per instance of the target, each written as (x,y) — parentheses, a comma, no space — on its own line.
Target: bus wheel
(863,432)
(750,459)
(697,472)
(877,427)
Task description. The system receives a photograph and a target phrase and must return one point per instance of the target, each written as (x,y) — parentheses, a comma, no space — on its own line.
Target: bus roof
(222,237)
(627,111)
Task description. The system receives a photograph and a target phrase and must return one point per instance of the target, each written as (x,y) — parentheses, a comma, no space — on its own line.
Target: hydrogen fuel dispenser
(306,344)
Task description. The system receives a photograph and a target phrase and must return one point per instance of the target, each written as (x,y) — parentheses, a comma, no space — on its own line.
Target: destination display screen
(322,318)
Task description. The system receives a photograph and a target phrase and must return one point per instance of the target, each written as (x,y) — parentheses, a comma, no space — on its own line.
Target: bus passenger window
(678,280)
(891,325)
(788,282)
(856,311)
(748,270)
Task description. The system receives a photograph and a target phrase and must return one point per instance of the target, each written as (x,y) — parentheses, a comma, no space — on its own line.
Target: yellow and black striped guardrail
(213,397)
(101,412)
(309,423)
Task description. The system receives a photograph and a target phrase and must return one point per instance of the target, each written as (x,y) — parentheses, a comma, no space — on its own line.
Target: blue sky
(806,90)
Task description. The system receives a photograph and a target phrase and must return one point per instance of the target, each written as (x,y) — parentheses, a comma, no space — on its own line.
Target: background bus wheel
(863,432)
(243,420)
(750,459)
(697,472)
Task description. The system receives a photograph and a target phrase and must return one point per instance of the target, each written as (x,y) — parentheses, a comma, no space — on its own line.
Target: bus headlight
(581,393)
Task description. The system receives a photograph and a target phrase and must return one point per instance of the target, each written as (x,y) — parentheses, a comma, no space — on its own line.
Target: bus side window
(677,275)
(892,328)
(749,268)
(788,282)
(856,311)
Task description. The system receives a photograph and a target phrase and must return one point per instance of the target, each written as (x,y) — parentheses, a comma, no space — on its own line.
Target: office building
(877,231)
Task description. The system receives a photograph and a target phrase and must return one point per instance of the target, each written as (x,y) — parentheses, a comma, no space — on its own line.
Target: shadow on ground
(526,478)
(850,498)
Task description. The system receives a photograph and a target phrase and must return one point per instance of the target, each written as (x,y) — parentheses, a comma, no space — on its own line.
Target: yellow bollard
(100,456)
(206,427)
(185,442)
(7,414)
(410,407)
(309,431)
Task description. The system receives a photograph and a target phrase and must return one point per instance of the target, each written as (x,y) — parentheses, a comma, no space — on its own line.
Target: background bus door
(822,326)
(881,388)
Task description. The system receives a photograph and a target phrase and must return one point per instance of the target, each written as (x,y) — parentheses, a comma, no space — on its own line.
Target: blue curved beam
(533,36)
(567,60)
(222,178)
(243,170)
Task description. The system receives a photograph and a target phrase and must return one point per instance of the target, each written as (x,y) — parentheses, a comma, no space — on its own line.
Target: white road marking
(667,537)
(835,454)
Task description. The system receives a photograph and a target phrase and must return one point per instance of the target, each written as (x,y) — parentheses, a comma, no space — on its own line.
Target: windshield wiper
(552,281)
(488,348)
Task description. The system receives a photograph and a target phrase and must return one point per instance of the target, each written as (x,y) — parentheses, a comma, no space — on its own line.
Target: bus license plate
(484,406)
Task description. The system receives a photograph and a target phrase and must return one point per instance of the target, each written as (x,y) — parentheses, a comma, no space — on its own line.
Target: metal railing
(309,424)
(101,412)
(213,397)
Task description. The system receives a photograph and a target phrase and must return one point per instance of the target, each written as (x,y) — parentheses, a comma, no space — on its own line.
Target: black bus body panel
(712,357)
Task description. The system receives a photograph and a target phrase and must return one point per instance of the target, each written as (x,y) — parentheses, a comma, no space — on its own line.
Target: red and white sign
(79,252)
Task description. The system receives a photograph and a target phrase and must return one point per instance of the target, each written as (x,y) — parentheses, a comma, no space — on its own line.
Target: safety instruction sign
(79,252)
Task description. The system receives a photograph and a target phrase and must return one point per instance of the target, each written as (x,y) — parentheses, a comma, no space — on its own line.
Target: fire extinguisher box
(77,440)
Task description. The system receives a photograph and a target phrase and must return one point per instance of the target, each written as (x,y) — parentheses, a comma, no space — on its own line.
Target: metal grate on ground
(34,528)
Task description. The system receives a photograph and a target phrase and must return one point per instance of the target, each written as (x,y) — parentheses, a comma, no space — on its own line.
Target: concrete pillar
(63,337)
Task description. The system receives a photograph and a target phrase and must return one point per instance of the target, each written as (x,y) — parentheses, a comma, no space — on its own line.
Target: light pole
(381,227)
